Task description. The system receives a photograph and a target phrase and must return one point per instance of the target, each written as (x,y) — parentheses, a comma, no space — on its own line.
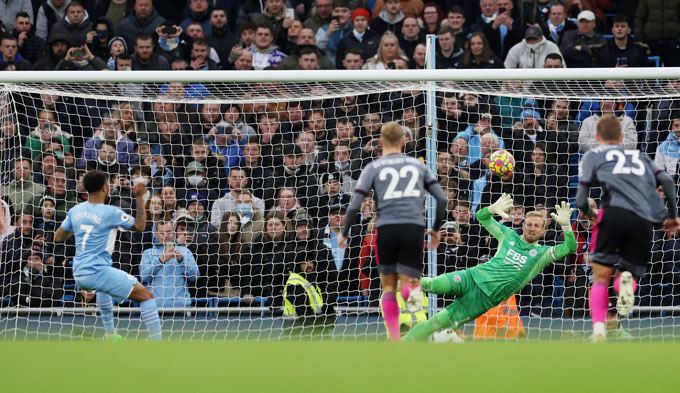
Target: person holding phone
(328,37)
(98,38)
(274,15)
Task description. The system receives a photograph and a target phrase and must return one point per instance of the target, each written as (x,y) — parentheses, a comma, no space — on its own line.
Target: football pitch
(308,366)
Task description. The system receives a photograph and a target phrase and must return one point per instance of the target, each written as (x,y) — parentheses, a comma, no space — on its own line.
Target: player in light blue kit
(95,226)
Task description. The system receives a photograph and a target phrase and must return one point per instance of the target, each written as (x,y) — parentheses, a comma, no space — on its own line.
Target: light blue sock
(151,319)
(105,304)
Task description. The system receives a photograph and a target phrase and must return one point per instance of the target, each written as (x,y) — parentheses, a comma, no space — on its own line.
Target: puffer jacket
(657,20)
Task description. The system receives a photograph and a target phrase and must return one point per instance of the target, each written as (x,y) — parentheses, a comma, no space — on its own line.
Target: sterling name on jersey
(627,177)
(399,182)
(95,226)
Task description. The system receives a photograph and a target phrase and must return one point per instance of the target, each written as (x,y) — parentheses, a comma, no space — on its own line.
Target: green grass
(236,366)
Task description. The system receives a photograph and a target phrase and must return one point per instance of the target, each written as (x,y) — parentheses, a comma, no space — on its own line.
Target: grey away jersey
(627,177)
(399,182)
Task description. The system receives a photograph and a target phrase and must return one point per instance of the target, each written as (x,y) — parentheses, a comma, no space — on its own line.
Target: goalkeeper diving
(518,260)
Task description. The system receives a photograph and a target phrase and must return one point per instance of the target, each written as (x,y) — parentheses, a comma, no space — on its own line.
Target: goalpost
(291,144)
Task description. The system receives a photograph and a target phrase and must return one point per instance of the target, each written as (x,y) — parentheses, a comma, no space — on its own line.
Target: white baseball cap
(587,15)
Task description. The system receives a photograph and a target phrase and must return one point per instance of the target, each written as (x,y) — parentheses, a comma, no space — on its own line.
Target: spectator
(287,38)
(142,21)
(362,38)
(503,30)
(586,136)
(170,43)
(452,252)
(419,53)
(344,258)
(293,174)
(576,283)
(110,130)
(489,143)
(410,36)
(30,45)
(576,44)
(470,233)
(432,17)
(267,259)
(200,13)
(169,140)
(56,188)
(57,47)
(273,15)
(232,114)
(388,51)
(448,53)
(478,54)
(353,60)
(9,10)
(98,39)
(195,31)
(455,19)
(117,47)
(328,37)
(75,25)
(106,159)
(10,55)
(221,37)
(668,153)
(144,58)
(287,203)
(80,58)
(567,132)
(14,245)
(473,134)
(535,12)
(391,19)
(558,24)
(345,133)
(332,195)
(305,39)
(200,59)
(322,17)
(200,152)
(656,24)
(552,60)
(168,268)
(238,183)
(195,181)
(308,59)
(620,50)
(21,190)
(545,183)
(35,286)
(46,131)
(412,8)
(49,13)
(231,271)
(252,164)
(244,62)
(265,54)
(531,52)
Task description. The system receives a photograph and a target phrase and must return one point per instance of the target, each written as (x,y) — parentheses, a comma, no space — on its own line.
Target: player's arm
(563,217)
(671,223)
(62,235)
(435,189)
(352,214)
(140,214)
(585,177)
(500,207)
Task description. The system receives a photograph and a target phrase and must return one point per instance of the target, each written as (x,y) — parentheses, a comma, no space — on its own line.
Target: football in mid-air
(501,162)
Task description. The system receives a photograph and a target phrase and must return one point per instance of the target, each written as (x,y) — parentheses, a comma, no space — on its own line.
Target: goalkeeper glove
(502,206)
(563,216)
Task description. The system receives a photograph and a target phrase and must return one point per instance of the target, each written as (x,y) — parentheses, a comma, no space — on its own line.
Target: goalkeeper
(518,260)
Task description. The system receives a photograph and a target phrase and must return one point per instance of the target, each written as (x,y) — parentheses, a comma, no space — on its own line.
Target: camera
(102,34)
(169,30)
(391,65)
(78,52)
(336,18)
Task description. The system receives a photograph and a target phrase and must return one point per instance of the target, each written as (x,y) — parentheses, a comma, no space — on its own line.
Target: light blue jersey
(95,227)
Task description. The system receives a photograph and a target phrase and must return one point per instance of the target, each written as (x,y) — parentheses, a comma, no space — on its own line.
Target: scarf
(555,30)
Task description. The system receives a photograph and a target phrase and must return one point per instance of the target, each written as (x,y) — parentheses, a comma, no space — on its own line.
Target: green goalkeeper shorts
(470,302)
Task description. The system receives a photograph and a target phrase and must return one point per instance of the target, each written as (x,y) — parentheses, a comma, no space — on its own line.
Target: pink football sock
(390,311)
(599,301)
(405,291)
(617,284)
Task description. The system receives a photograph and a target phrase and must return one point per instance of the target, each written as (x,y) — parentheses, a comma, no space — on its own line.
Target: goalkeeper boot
(115,337)
(599,333)
(414,303)
(626,295)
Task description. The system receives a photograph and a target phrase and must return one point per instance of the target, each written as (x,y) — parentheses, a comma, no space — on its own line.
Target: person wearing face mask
(251,218)
(531,52)
(195,181)
(238,183)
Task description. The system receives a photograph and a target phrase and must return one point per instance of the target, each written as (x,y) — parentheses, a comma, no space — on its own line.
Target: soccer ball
(501,162)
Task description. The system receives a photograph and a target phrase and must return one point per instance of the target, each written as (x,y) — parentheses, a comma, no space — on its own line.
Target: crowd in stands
(238,192)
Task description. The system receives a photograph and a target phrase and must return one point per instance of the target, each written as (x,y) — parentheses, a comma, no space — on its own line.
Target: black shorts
(622,239)
(400,249)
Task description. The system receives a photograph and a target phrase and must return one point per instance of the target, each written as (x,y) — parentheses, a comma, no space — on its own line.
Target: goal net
(250,179)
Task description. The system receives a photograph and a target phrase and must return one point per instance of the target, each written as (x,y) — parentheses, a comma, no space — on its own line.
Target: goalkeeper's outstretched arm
(563,217)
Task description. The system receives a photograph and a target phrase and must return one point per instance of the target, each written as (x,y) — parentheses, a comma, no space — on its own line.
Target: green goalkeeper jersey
(516,262)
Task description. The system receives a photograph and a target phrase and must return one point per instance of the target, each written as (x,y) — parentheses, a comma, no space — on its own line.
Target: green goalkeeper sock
(438,285)
(423,330)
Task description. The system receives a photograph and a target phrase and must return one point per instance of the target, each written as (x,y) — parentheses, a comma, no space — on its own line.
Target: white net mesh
(254,178)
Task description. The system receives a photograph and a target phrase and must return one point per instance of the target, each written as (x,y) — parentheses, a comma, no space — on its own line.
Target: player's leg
(448,283)
(599,300)
(389,239)
(149,311)
(105,305)
(635,255)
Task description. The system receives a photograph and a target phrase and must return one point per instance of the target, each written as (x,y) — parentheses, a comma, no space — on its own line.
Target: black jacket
(609,55)
(33,46)
(368,46)
(579,58)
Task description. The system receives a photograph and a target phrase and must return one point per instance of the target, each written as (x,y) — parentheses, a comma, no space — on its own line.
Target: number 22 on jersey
(408,171)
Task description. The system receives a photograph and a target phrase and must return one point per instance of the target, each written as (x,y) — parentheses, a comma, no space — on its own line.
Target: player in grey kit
(399,183)
(622,238)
